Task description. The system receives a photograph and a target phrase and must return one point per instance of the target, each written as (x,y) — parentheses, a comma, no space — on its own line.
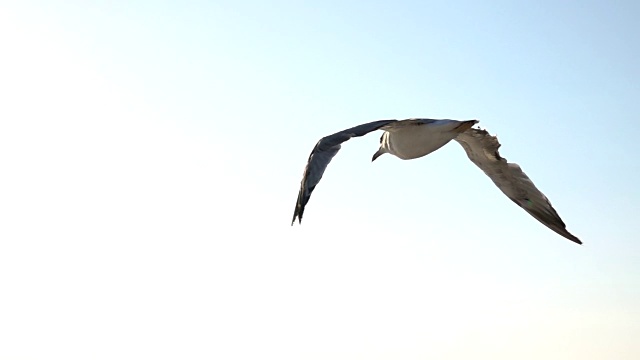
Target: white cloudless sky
(151,153)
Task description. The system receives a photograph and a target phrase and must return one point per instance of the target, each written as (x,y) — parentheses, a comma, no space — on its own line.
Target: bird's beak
(377,154)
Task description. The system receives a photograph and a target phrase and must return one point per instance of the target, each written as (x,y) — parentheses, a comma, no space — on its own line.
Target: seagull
(415,138)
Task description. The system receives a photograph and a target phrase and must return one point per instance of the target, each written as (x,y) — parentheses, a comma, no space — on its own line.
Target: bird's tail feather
(465,125)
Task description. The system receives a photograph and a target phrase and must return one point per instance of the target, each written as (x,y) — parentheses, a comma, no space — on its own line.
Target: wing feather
(482,150)
(320,158)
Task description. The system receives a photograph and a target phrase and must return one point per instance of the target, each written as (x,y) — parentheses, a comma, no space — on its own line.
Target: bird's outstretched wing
(482,150)
(321,156)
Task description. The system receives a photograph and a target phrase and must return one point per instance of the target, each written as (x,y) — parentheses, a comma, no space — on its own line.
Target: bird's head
(384,146)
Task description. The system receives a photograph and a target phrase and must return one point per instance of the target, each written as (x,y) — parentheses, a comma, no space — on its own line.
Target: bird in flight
(414,138)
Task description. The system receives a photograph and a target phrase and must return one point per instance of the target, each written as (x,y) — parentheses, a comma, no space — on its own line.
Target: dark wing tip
(296,214)
(565,234)
(573,238)
(548,216)
(299,210)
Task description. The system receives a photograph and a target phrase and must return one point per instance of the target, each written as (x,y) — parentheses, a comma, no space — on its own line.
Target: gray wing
(320,158)
(482,150)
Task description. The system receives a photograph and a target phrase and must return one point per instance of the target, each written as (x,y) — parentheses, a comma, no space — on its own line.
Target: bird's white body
(413,141)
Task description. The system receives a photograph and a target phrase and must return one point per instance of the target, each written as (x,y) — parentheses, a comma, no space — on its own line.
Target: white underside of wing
(482,150)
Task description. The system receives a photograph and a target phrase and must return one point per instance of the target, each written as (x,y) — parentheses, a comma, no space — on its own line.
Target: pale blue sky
(152,153)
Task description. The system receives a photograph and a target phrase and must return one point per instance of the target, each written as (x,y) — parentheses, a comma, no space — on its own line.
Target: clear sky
(151,154)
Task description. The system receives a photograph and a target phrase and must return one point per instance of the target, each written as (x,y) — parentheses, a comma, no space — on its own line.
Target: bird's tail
(465,125)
